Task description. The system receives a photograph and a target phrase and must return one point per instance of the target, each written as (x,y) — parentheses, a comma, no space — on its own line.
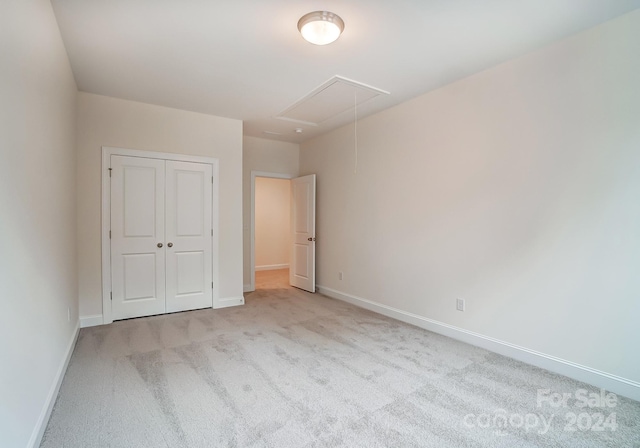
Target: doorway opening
(270,229)
(272,232)
(301,239)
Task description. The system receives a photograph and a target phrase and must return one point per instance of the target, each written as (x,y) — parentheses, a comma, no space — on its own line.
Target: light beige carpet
(291,369)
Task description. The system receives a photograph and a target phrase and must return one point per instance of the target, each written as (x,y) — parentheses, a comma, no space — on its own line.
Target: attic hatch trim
(321,88)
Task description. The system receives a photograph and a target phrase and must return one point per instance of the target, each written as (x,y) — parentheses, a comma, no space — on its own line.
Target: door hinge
(211,232)
(211,179)
(111,295)
(211,285)
(109,234)
(109,172)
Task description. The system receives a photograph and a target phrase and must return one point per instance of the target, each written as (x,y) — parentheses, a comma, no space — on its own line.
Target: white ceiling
(245,59)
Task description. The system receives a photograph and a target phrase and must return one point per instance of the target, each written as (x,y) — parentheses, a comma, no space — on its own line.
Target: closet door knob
(170,244)
(159,244)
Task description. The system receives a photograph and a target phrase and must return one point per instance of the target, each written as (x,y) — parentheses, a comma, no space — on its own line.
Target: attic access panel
(335,96)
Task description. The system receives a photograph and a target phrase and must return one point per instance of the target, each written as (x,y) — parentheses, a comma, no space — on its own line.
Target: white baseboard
(248,288)
(272,267)
(91,321)
(43,419)
(228,301)
(612,383)
(96,319)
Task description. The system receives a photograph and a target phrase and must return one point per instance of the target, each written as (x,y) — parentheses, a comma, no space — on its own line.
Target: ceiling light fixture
(320,27)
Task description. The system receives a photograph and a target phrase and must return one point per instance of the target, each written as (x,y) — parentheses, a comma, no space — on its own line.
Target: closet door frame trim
(107,152)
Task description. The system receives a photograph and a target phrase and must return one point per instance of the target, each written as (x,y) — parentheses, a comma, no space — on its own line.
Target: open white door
(302,267)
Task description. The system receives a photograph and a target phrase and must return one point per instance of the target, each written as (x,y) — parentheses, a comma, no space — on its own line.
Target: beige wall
(272,204)
(104,121)
(268,156)
(38,273)
(516,189)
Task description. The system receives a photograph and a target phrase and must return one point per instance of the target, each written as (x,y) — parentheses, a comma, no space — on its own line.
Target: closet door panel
(137,229)
(188,235)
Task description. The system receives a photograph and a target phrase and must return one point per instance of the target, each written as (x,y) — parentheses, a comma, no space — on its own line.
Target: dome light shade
(320,27)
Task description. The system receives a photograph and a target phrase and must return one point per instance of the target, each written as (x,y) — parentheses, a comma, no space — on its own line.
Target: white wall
(104,121)
(38,279)
(272,205)
(268,156)
(517,189)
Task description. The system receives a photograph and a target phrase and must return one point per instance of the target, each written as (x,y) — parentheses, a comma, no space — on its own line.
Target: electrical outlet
(460,304)
(340,276)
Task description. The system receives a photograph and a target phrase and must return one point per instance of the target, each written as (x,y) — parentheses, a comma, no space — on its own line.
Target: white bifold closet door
(160,236)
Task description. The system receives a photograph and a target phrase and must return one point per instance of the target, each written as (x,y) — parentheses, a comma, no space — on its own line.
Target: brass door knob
(170,244)
(159,244)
